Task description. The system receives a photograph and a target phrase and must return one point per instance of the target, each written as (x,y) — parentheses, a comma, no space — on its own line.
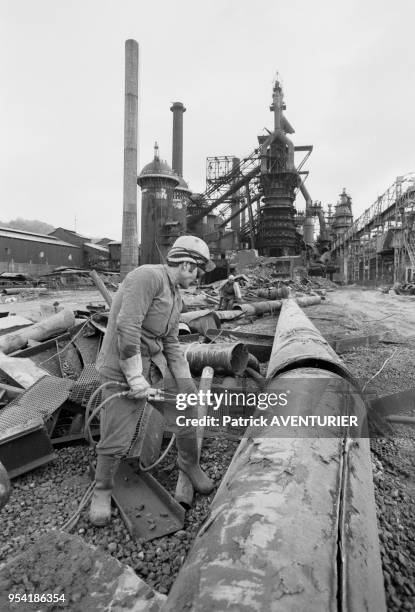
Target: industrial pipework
(293,524)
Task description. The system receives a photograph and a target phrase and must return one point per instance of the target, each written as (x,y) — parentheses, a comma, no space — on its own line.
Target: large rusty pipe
(293,524)
(273,293)
(231,358)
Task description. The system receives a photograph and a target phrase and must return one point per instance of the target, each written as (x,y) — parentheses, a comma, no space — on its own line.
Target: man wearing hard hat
(230,292)
(141,348)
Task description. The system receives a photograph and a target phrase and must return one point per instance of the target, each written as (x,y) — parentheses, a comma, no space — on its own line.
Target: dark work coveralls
(144,318)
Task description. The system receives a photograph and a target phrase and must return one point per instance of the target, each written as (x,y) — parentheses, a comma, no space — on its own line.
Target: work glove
(132,368)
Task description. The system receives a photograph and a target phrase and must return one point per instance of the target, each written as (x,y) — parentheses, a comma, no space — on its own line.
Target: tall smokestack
(129,244)
(177,155)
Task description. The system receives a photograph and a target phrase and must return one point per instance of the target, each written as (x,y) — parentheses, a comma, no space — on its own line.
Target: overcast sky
(347,70)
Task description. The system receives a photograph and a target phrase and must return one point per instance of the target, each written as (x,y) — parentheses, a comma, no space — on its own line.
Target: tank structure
(159,224)
(279,179)
(308,230)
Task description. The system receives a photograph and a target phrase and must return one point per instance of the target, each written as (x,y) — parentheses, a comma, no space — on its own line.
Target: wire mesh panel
(40,400)
(84,387)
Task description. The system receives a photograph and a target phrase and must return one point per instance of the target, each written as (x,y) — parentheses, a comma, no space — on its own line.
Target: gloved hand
(132,368)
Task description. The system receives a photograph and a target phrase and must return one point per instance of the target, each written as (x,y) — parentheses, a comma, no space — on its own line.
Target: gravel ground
(394,475)
(45,498)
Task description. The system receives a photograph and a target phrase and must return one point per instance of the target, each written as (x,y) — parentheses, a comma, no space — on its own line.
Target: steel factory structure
(249,203)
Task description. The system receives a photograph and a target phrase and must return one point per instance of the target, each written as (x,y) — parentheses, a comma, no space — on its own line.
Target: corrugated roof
(70,232)
(19,231)
(96,247)
(21,235)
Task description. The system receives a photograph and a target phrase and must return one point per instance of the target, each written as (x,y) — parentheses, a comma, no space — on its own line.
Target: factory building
(94,254)
(35,254)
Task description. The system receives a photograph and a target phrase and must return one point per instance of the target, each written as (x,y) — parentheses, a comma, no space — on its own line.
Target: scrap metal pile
(47,369)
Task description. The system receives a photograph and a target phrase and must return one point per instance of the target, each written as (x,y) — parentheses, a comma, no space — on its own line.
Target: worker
(141,348)
(230,292)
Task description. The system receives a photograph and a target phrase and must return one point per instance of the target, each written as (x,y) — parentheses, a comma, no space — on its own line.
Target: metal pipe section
(129,243)
(273,293)
(247,309)
(306,195)
(177,109)
(231,358)
(308,300)
(279,135)
(228,315)
(201,320)
(273,306)
(293,524)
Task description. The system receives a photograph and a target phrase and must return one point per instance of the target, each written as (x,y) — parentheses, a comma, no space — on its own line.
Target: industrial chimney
(129,243)
(177,109)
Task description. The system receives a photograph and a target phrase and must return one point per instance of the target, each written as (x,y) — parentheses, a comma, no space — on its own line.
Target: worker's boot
(188,462)
(100,511)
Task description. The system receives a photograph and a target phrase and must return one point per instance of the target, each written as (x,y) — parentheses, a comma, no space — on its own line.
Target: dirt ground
(30,306)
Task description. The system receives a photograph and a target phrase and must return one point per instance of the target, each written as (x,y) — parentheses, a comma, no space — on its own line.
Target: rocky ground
(45,498)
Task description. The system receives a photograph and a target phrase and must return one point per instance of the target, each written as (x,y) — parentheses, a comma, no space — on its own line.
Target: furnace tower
(279,179)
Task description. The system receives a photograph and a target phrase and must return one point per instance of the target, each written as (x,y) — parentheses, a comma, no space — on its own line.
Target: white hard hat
(193,249)
(231,277)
